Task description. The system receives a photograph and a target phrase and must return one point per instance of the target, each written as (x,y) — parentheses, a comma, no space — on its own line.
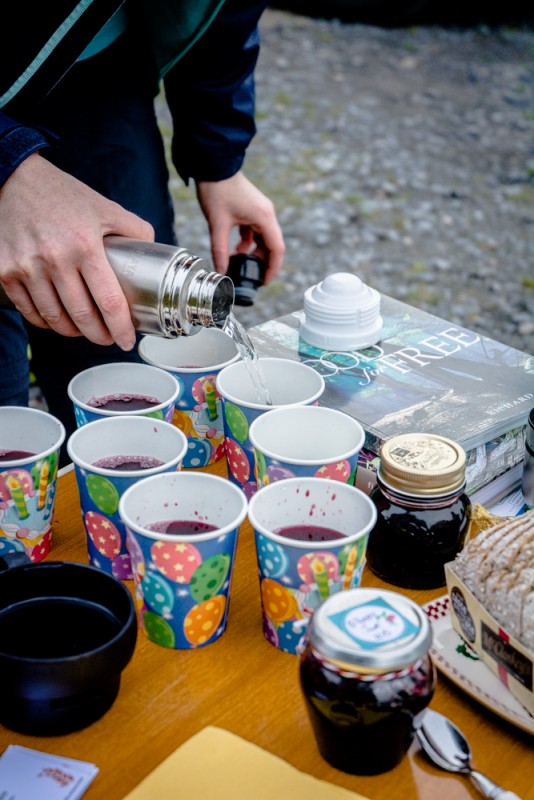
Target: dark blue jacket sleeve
(17,142)
(210,93)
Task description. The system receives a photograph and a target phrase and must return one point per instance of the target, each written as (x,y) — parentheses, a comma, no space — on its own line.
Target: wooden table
(247,686)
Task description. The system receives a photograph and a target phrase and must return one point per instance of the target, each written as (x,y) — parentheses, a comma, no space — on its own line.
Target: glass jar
(366,676)
(423,513)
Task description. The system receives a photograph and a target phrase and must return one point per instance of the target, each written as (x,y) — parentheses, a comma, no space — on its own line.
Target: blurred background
(397,142)
(399,13)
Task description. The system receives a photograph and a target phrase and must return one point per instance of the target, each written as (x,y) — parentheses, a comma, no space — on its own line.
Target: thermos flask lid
(341,313)
(247,273)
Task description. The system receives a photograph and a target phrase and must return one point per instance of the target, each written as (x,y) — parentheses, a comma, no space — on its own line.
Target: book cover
(425,374)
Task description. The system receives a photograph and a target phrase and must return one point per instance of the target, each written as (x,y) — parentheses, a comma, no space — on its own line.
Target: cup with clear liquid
(194,362)
(288,383)
(311,441)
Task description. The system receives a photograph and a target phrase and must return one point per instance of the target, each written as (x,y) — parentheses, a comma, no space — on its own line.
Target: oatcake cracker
(483,556)
(527,620)
(497,566)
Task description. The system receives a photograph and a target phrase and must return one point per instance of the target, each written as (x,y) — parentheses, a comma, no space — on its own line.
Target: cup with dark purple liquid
(126,389)
(311,535)
(30,441)
(182,531)
(109,455)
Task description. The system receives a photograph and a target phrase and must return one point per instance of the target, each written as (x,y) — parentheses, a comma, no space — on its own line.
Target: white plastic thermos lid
(341,313)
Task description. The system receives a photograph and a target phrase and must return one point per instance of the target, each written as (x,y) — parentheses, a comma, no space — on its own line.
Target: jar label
(374,624)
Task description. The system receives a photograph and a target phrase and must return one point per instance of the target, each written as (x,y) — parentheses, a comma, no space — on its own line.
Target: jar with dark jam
(366,675)
(423,512)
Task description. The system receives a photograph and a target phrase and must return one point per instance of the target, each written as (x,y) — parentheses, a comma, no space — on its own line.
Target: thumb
(131,226)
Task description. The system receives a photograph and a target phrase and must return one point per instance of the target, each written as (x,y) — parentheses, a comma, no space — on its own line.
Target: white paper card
(27,774)
(510,506)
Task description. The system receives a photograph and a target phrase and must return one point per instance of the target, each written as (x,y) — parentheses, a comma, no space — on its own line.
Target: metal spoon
(448,748)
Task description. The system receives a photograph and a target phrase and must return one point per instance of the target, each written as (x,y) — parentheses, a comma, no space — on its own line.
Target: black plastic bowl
(66,633)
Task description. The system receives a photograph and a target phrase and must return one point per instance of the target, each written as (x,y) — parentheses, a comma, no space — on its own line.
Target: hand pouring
(448,748)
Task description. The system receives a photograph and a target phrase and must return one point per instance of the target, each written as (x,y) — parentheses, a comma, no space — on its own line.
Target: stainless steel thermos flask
(170,292)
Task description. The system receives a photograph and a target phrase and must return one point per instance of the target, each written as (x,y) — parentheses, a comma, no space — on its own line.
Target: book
(27,773)
(505,486)
(425,375)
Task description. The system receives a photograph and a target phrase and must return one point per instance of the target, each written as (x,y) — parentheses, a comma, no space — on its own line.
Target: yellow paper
(217,763)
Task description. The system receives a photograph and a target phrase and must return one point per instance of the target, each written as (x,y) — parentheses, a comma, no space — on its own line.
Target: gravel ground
(405,156)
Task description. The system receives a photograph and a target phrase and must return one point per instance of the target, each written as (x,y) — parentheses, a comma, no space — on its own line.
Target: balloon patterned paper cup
(300,441)
(289,383)
(126,389)
(311,537)
(109,456)
(195,361)
(182,534)
(30,441)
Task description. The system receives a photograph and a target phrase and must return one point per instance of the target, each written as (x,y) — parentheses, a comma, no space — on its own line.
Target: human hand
(237,202)
(53,265)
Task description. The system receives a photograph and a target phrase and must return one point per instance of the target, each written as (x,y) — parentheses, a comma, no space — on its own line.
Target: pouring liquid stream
(246,349)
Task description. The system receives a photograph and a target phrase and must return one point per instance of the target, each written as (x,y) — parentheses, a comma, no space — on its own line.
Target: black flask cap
(247,273)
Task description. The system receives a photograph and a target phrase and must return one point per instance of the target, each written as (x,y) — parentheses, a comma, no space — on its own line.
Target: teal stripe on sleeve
(109,33)
(45,51)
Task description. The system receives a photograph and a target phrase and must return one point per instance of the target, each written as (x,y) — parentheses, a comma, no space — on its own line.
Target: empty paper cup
(311,536)
(299,441)
(182,534)
(195,361)
(289,383)
(110,455)
(125,389)
(30,441)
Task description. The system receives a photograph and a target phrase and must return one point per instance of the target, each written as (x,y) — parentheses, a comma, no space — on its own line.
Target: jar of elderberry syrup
(366,677)
(423,513)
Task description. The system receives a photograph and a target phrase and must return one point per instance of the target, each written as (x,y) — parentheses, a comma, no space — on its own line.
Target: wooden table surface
(247,686)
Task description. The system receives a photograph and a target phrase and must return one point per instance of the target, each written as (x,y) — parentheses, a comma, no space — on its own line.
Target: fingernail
(127,343)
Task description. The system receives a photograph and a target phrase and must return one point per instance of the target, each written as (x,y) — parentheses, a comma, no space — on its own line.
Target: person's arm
(211,95)
(53,265)
(17,142)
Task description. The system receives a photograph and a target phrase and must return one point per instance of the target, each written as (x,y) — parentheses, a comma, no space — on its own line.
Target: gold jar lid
(423,464)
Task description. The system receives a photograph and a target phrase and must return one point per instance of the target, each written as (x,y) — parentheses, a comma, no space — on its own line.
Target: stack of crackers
(497,566)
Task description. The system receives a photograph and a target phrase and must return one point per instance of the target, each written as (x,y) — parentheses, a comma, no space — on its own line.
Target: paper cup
(296,575)
(183,580)
(290,383)
(144,441)
(123,380)
(30,441)
(195,361)
(305,441)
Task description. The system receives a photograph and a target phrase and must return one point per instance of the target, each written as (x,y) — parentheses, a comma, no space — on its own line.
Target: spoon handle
(490,789)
